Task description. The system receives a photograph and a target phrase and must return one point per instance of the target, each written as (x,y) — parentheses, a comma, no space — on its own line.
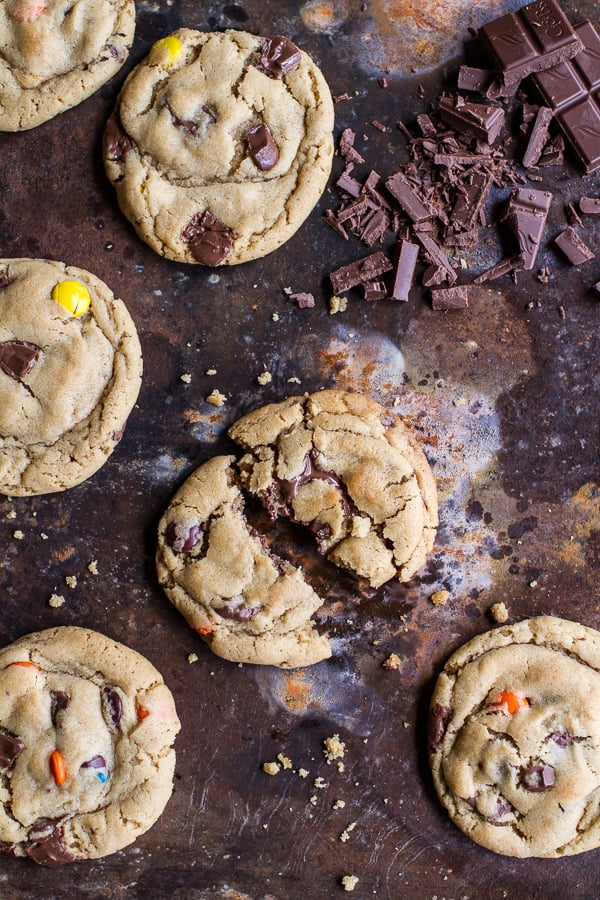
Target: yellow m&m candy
(167,50)
(73,296)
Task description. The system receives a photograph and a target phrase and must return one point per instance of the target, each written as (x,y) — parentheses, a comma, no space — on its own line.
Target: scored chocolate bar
(526,213)
(572,91)
(536,37)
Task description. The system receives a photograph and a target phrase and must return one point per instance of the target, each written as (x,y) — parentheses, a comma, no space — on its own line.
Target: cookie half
(86,758)
(220,145)
(349,469)
(514,738)
(245,602)
(70,373)
(55,53)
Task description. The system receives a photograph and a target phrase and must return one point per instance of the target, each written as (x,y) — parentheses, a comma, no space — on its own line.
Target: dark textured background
(504,397)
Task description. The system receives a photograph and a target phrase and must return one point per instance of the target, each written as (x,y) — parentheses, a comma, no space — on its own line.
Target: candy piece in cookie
(70,373)
(514,738)
(349,469)
(220,145)
(245,602)
(75,791)
(56,53)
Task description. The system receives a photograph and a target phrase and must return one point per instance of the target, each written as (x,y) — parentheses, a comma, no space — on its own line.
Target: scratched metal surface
(505,399)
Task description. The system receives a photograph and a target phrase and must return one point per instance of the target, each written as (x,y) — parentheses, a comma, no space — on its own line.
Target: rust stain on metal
(297,691)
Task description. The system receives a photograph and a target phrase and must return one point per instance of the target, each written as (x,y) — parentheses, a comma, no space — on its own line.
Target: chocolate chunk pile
(435,204)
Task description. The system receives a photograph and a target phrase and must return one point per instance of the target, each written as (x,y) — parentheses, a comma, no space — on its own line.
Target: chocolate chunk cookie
(220,145)
(70,372)
(55,53)
(86,733)
(247,604)
(514,738)
(350,470)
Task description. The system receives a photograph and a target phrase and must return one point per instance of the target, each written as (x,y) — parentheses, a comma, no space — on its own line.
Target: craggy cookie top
(55,53)
(245,602)
(86,733)
(347,467)
(514,736)
(70,372)
(220,145)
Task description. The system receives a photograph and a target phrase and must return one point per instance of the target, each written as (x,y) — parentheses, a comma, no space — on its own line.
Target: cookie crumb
(320,783)
(345,835)
(56,600)
(303,773)
(275,317)
(284,761)
(440,598)
(192,657)
(186,378)
(339,804)
(271,768)
(265,378)
(337,304)
(334,748)
(216,398)
(211,372)
(287,290)
(11,515)
(294,380)
(349,882)
(18,535)
(499,612)
(360,526)
(71,581)
(44,536)
(93,567)
(393,662)
(313,800)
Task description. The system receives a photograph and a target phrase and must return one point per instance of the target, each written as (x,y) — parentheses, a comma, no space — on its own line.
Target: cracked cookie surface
(56,53)
(69,376)
(220,145)
(349,469)
(514,738)
(86,757)
(245,602)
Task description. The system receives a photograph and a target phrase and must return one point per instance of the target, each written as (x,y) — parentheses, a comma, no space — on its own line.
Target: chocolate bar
(571,90)
(537,37)
(526,213)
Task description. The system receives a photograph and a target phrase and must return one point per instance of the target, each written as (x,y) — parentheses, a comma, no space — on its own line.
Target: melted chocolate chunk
(17,358)
(439,717)
(237,610)
(210,240)
(116,141)
(96,762)
(537,779)
(182,539)
(10,747)
(564,739)
(279,56)
(49,851)
(289,487)
(502,808)
(115,705)
(58,700)
(263,149)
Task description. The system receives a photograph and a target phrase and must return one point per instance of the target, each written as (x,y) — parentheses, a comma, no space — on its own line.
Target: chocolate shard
(434,275)
(526,214)
(479,120)
(17,358)
(505,267)
(469,205)
(437,725)
(209,239)
(347,149)
(401,189)
(450,298)
(405,270)
(538,36)
(437,255)
(474,79)
(363,270)
(374,290)
(537,779)
(462,159)
(576,251)
(349,185)
(303,299)
(279,56)
(117,142)
(263,150)
(10,748)
(590,206)
(571,90)
(538,137)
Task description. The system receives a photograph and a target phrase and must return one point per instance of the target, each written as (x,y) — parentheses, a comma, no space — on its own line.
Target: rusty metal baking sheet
(504,397)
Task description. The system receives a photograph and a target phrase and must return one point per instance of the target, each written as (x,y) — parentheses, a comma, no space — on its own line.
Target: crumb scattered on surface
(56,600)
(71,581)
(192,657)
(313,800)
(294,380)
(271,768)
(216,398)
(284,761)
(93,567)
(303,773)
(44,536)
(275,317)
(392,662)
(345,835)
(211,371)
(320,783)
(349,882)
(18,535)
(334,748)
(440,598)
(499,612)
(11,515)
(337,304)
(265,378)
(287,290)
(186,377)
(339,804)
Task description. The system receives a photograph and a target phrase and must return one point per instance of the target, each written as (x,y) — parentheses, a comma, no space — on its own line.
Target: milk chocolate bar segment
(526,213)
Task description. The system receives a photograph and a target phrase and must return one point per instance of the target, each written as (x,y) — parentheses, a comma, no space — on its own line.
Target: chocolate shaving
(374,290)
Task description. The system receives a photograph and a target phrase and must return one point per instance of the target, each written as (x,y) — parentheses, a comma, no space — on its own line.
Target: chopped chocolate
(434,275)
(17,358)
(462,159)
(349,185)
(576,251)
(116,140)
(437,724)
(363,270)
(304,300)
(426,125)
(473,79)
(50,850)
(553,153)
(437,255)
(450,298)
(538,137)
(571,91)
(537,779)
(526,213)
(264,152)
(210,240)
(382,82)
(405,270)
(573,217)
(182,538)
(114,704)
(401,189)
(379,125)
(505,267)
(590,206)
(538,36)
(374,227)
(478,119)
(463,238)
(469,205)
(347,147)
(374,290)
(279,56)
(597,287)
(10,747)
(58,700)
